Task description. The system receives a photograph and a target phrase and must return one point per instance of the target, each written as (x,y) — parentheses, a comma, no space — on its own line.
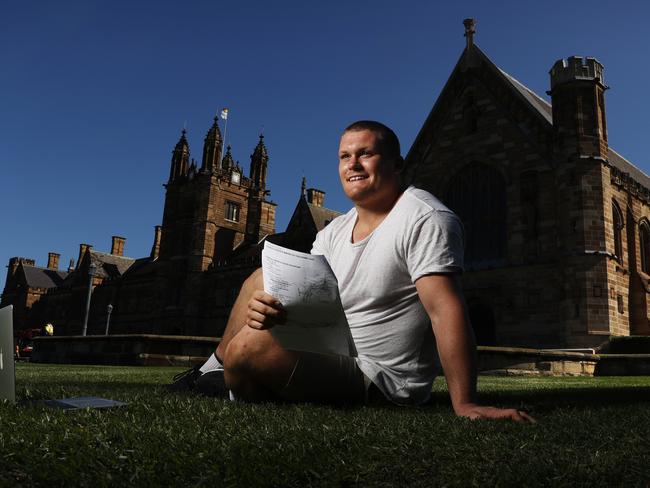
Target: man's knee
(253,357)
(242,352)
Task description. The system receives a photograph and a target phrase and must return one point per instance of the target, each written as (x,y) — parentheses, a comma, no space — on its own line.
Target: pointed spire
(180,158)
(303,187)
(260,149)
(227,161)
(214,133)
(183,138)
(259,160)
(212,146)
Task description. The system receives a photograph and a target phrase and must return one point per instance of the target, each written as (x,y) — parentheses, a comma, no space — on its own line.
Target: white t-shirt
(376,277)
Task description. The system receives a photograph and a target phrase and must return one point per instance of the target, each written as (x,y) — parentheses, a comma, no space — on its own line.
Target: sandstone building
(557,223)
(215,221)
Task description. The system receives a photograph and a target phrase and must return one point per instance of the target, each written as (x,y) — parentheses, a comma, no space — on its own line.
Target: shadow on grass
(551,399)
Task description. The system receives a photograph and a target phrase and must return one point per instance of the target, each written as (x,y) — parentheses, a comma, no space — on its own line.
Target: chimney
(118,246)
(71,265)
(315,197)
(53,260)
(82,250)
(155,249)
(13,266)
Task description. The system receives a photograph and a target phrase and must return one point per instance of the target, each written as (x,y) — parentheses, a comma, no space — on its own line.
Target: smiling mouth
(356,178)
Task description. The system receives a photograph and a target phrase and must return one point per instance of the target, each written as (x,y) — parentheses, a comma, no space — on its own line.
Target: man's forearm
(457,353)
(442,299)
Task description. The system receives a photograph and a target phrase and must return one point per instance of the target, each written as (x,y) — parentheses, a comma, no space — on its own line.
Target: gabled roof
(110,265)
(307,215)
(540,106)
(321,215)
(141,267)
(537,102)
(36,277)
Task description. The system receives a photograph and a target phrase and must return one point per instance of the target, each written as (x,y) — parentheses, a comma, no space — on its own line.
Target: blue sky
(94,94)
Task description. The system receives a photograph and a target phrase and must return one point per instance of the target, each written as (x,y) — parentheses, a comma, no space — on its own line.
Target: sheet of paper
(77,403)
(308,290)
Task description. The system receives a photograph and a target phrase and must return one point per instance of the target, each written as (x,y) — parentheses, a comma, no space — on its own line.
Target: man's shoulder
(418,202)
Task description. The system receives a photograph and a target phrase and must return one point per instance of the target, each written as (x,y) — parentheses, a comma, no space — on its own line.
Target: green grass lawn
(591,431)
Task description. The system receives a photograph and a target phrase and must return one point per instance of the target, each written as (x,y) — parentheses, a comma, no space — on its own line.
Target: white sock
(212,364)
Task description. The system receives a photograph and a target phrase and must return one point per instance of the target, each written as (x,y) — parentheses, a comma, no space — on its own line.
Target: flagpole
(225,132)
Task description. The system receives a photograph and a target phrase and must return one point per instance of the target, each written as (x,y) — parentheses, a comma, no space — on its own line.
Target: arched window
(617,218)
(644,239)
(478,196)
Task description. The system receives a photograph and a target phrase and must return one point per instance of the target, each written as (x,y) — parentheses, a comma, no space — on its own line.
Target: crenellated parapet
(576,68)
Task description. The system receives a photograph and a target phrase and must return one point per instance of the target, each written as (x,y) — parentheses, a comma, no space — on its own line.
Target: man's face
(367,174)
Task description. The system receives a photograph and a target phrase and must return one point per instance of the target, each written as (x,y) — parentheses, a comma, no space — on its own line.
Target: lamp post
(92,270)
(109,309)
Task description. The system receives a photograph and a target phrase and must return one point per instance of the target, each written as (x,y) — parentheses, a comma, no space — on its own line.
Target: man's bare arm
(442,299)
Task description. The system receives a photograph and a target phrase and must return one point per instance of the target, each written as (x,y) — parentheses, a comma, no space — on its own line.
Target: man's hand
(474,411)
(264,311)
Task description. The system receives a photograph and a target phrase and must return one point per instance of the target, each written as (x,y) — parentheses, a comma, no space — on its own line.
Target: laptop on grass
(8,374)
(7,351)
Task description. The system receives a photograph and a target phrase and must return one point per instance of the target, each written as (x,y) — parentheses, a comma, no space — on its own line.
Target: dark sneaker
(212,384)
(185,381)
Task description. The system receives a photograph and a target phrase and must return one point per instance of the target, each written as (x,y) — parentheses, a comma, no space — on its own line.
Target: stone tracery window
(617,219)
(478,196)
(644,239)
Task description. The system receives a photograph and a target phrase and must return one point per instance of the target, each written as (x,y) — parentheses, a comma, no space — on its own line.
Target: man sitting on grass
(397,256)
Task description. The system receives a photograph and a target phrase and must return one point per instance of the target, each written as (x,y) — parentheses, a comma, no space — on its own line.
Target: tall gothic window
(232,211)
(478,196)
(617,218)
(644,238)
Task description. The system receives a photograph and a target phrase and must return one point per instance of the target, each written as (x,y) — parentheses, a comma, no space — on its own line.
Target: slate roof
(110,265)
(321,215)
(618,161)
(36,277)
(538,103)
(142,266)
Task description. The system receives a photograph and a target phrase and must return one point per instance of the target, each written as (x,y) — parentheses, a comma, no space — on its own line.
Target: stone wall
(133,350)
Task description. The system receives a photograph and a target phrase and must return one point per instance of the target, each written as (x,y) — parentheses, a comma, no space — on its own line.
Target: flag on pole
(224,114)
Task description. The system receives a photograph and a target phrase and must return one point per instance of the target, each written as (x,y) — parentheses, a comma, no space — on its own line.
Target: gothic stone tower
(209,212)
(581,151)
